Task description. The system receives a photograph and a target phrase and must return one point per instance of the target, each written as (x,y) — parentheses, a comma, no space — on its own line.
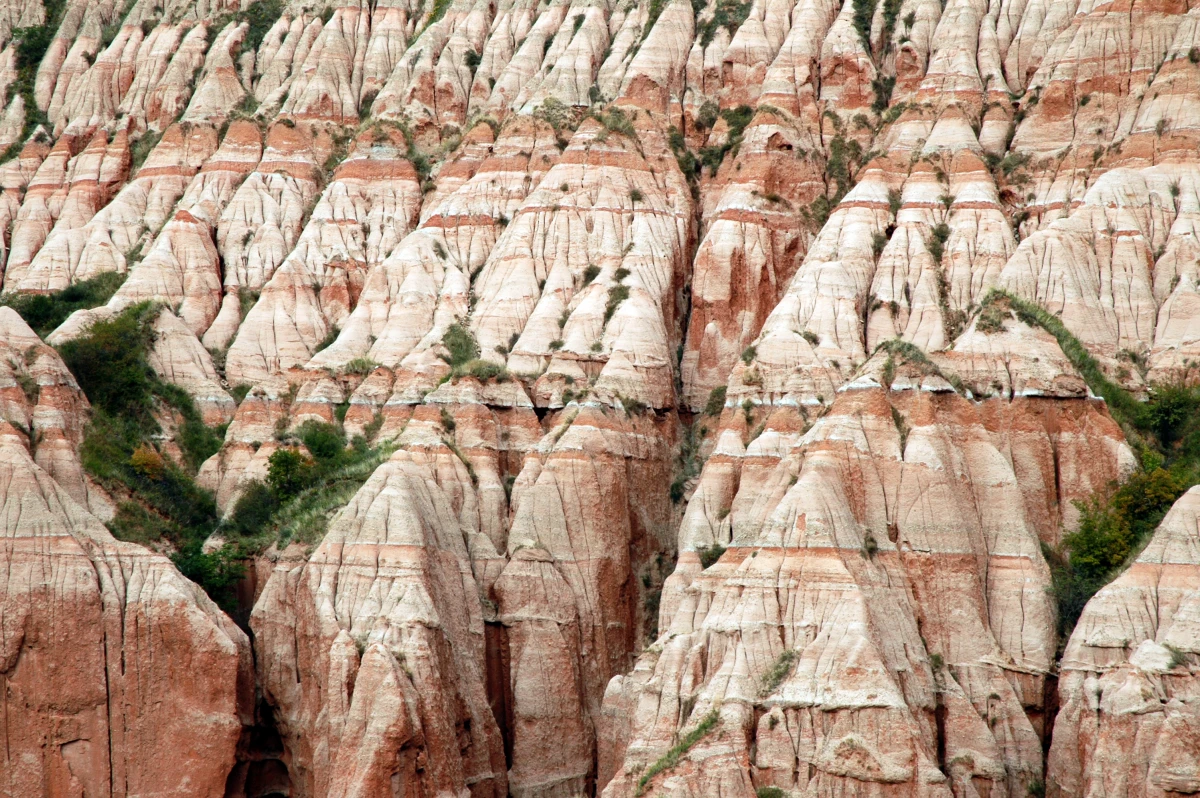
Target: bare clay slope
(698,461)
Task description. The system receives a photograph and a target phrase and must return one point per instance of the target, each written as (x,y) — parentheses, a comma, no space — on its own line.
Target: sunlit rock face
(699,422)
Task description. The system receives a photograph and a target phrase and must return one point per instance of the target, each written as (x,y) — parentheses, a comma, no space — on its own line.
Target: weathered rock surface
(99,637)
(866,566)
(373,652)
(1129,717)
(724,266)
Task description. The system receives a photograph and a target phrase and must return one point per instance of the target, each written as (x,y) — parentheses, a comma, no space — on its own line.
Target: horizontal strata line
(743,551)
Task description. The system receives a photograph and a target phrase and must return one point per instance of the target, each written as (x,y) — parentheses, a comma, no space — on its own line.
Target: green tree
(288,473)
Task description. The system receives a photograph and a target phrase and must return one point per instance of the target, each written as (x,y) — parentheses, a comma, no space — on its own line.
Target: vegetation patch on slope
(124,450)
(1115,525)
(304,488)
(671,758)
(259,18)
(1126,409)
(122,447)
(45,312)
(32,44)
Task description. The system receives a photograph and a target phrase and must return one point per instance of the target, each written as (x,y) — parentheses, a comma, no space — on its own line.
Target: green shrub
(910,353)
(328,340)
(992,317)
(253,509)
(716,401)
(737,119)
(1171,415)
(845,155)
(710,554)
(365,104)
(288,473)
(1012,162)
(728,14)
(614,120)
(882,87)
(323,441)
(677,488)
(197,440)
(616,295)
(142,148)
(1111,531)
(32,44)
(817,213)
(360,366)
(217,572)
(878,242)
(769,792)
(260,16)
(937,241)
(632,405)
(45,312)
(246,302)
(483,370)
(690,462)
(110,364)
(307,492)
(460,345)
(653,12)
(119,448)
(136,524)
(306,516)
(864,12)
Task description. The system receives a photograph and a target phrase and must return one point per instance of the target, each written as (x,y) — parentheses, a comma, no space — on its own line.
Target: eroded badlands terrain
(599,398)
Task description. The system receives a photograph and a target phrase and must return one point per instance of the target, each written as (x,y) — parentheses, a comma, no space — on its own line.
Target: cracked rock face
(745,480)
(99,637)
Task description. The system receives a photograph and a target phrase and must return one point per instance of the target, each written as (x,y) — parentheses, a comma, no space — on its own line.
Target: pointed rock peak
(952,131)
(14,331)
(1177,541)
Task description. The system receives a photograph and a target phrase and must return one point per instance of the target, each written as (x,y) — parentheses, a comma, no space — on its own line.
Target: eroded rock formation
(707,459)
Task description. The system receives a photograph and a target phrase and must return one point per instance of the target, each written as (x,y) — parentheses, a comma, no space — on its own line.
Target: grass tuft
(671,758)
(778,672)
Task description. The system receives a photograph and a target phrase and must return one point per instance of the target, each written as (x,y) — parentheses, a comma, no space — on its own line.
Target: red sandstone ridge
(703,391)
